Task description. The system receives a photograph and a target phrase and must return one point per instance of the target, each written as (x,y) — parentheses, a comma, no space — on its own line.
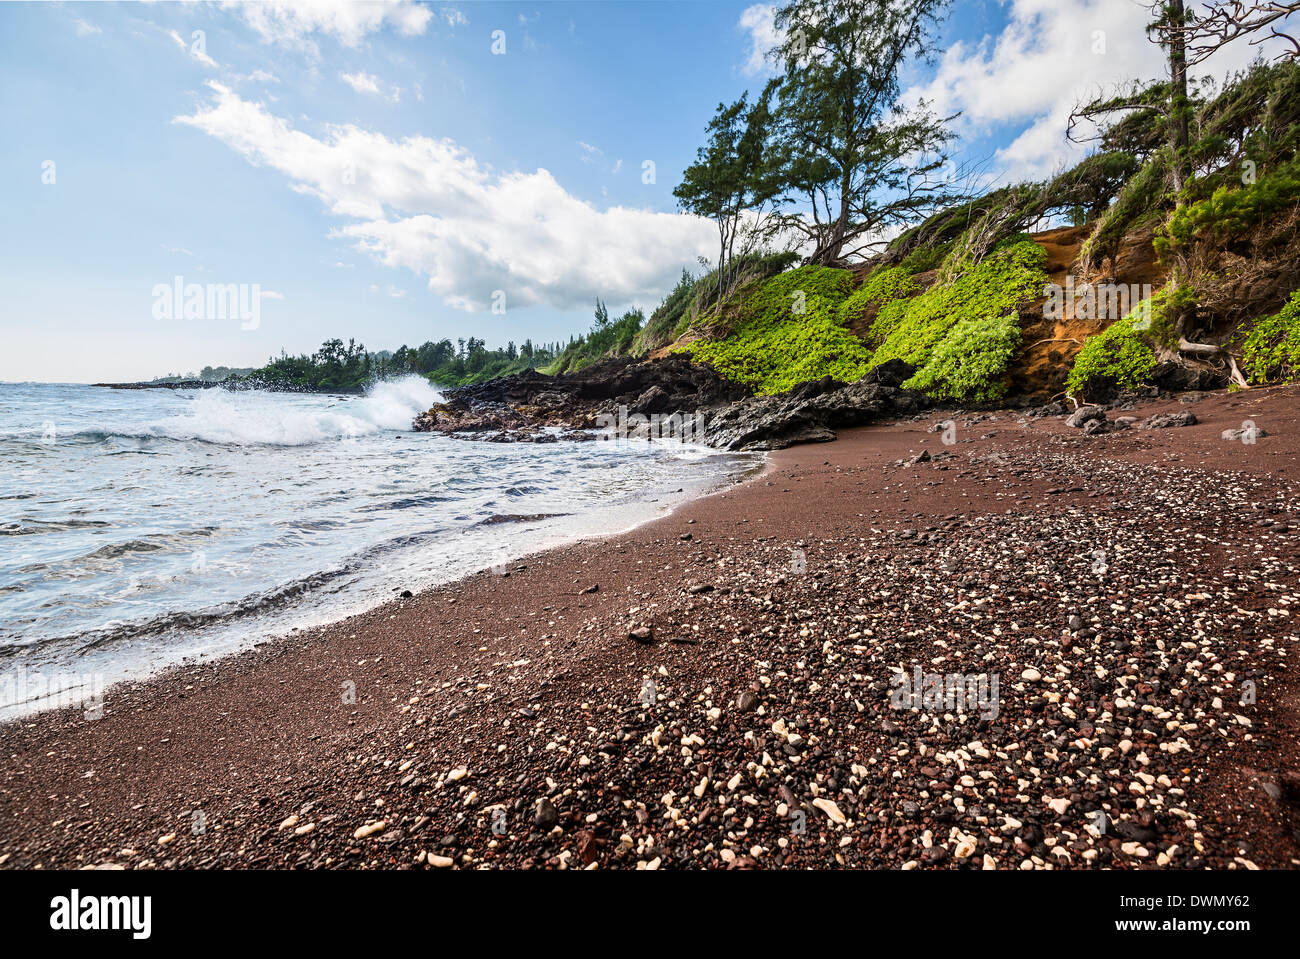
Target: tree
(1227,20)
(849,160)
(730,182)
(1169,30)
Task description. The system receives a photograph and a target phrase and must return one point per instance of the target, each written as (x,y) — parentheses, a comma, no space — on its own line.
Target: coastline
(764,677)
(228,630)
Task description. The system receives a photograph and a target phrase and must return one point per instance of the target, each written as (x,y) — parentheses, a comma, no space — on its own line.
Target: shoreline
(280,623)
(762,672)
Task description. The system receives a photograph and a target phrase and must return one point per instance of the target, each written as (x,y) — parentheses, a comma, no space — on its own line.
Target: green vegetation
(912,329)
(209,374)
(791,333)
(880,288)
(332,367)
(1119,355)
(467,361)
(1230,212)
(970,364)
(693,297)
(607,338)
(961,336)
(1271,347)
(351,368)
(1125,353)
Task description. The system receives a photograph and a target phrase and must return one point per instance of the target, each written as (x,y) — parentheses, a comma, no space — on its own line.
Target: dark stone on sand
(546,814)
(1160,421)
(1085,414)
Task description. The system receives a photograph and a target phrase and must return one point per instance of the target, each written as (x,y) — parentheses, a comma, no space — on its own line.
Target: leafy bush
(1272,345)
(1230,212)
(607,338)
(790,332)
(1120,354)
(912,329)
(881,287)
(924,259)
(971,362)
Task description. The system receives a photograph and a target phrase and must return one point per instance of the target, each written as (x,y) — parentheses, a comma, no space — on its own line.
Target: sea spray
(254,417)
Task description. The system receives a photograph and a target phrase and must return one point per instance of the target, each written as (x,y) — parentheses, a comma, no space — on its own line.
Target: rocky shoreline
(720,688)
(656,397)
(651,399)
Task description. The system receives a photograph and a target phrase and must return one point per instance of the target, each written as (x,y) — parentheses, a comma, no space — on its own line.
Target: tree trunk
(1179,105)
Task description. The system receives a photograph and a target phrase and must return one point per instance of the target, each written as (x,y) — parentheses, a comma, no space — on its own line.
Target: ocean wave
(258,418)
(256,603)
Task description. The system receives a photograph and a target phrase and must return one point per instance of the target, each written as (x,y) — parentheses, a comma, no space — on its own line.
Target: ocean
(143,528)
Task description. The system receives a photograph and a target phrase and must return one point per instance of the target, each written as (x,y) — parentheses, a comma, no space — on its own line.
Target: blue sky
(378,172)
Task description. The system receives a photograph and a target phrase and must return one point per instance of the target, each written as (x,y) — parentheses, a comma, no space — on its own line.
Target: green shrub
(1119,354)
(1272,345)
(878,289)
(790,332)
(924,259)
(1230,212)
(970,364)
(912,329)
(607,338)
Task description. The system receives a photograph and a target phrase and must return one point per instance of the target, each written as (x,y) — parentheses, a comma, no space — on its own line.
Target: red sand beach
(723,698)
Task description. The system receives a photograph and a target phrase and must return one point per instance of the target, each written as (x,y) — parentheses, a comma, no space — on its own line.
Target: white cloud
(83,28)
(453,17)
(257,76)
(369,83)
(758,20)
(290,23)
(195,49)
(1051,55)
(428,205)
